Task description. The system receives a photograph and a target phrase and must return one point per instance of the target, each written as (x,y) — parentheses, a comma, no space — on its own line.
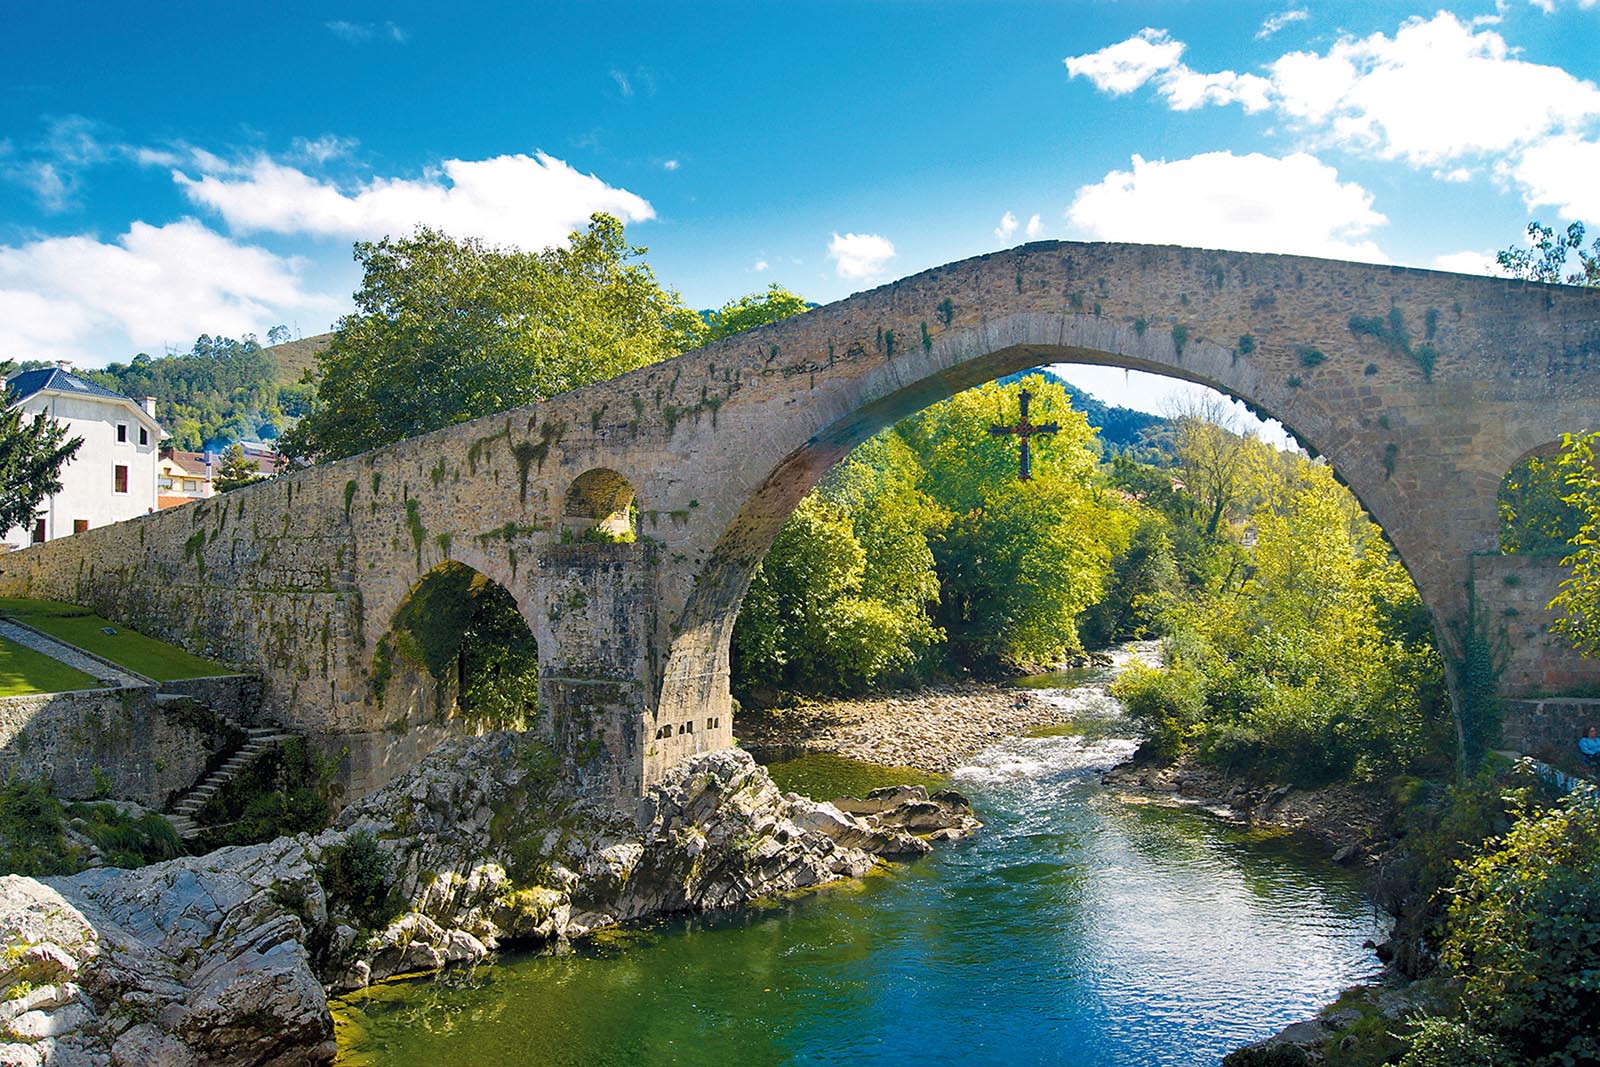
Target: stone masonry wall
(127,743)
(1514,594)
(1548,729)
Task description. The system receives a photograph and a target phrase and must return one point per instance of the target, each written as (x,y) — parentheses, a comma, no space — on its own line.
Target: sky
(173,169)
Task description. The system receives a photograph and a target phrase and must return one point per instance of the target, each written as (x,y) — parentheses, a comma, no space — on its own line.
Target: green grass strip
(24,671)
(126,648)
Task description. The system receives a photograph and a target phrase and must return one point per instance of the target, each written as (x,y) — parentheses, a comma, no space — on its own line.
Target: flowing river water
(1078,927)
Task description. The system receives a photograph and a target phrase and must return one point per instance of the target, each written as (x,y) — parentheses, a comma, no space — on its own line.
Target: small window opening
(122,433)
(119,479)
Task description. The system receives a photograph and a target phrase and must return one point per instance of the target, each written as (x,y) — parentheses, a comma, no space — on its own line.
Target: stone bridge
(1421,388)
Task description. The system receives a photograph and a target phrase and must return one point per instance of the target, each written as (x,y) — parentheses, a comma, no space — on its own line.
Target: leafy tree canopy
(755,309)
(447,330)
(235,471)
(1545,260)
(32,453)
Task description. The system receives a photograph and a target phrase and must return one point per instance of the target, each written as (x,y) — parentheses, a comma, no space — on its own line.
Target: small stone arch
(1534,520)
(458,653)
(599,506)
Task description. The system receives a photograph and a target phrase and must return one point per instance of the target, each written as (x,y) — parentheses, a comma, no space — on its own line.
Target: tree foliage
(32,453)
(447,330)
(1524,937)
(1536,518)
(755,309)
(1545,258)
(1312,662)
(1578,602)
(1019,561)
(235,471)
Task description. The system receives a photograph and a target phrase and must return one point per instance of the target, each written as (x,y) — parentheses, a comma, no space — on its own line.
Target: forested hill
(221,390)
(1119,427)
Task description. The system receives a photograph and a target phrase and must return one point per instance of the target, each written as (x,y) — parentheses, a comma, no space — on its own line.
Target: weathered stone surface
(209,960)
(1421,388)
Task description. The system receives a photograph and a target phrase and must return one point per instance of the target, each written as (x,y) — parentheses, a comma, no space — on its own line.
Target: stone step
(259,739)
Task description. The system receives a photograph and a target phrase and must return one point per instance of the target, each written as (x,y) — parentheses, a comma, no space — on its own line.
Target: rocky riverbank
(226,959)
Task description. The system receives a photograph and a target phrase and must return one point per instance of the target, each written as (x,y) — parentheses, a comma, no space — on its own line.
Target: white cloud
(1007,227)
(1124,66)
(83,299)
(532,202)
(860,256)
(1187,89)
(1560,173)
(1441,94)
(760,265)
(1250,203)
(671,164)
(353,32)
(51,167)
(1549,6)
(1467,263)
(1035,226)
(1274,23)
(317,150)
(1437,91)
(362,32)
(1153,54)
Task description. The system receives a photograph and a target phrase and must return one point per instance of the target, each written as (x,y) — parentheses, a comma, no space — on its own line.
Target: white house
(113,476)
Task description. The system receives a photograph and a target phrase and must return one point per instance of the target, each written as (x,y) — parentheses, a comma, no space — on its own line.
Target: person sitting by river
(1589,749)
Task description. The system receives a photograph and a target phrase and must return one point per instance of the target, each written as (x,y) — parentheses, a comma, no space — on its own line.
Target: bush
(1166,705)
(355,876)
(286,790)
(31,825)
(1524,935)
(1451,1043)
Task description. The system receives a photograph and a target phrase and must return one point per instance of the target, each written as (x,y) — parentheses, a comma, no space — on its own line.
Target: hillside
(298,356)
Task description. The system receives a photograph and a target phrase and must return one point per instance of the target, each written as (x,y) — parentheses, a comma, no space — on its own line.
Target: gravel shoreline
(935,729)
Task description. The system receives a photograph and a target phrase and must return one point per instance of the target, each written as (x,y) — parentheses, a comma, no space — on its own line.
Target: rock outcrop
(224,959)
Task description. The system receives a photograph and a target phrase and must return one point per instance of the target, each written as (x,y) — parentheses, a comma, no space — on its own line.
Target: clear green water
(1076,928)
(824,775)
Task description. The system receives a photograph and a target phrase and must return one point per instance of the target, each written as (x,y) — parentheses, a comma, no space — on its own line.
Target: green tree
(235,472)
(448,330)
(32,453)
(1535,515)
(1579,599)
(755,309)
(1524,936)
(1546,258)
(1018,562)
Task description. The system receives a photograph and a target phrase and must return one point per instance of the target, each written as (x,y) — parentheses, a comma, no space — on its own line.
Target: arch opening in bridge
(458,649)
(599,506)
(1535,520)
(698,671)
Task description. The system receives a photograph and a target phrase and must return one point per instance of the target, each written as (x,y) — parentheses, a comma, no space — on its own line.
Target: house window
(144,436)
(164,482)
(189,486)
(80,525)
(122,433)
(38,532)
(119,479)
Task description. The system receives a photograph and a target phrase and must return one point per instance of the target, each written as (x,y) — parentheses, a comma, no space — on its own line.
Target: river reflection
(1076,928)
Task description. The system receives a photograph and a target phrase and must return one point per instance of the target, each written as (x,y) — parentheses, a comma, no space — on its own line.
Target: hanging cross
(1024,430)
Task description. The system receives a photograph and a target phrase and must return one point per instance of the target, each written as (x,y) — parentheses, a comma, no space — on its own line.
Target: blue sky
(173,169)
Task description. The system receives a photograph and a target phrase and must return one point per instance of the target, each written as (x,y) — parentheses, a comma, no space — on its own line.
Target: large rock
(210,959)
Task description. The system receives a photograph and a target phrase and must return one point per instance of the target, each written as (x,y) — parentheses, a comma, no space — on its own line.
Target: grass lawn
(22,671)
(138,653)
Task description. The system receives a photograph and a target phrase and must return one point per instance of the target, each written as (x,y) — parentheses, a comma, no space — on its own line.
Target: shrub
(356,878)
(1165,704)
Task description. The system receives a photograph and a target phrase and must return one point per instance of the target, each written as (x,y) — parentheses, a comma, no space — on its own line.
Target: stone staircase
(258,739)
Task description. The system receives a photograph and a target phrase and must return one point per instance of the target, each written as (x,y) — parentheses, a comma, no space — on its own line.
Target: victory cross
(1024,430)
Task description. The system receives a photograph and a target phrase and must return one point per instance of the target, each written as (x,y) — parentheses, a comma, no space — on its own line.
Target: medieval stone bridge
(1421,388)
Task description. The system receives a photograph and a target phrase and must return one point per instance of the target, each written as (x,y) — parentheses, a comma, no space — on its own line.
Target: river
(1079,927)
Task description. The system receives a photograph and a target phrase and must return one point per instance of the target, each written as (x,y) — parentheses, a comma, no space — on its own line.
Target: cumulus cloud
(760,265)
(533,202)
(1152,54)
(1560,173)
(1273,23)
(1007,227)
(1467,263)
(860,256)
(83,299)
(1249,203)
(1440,94)
(1035,226)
